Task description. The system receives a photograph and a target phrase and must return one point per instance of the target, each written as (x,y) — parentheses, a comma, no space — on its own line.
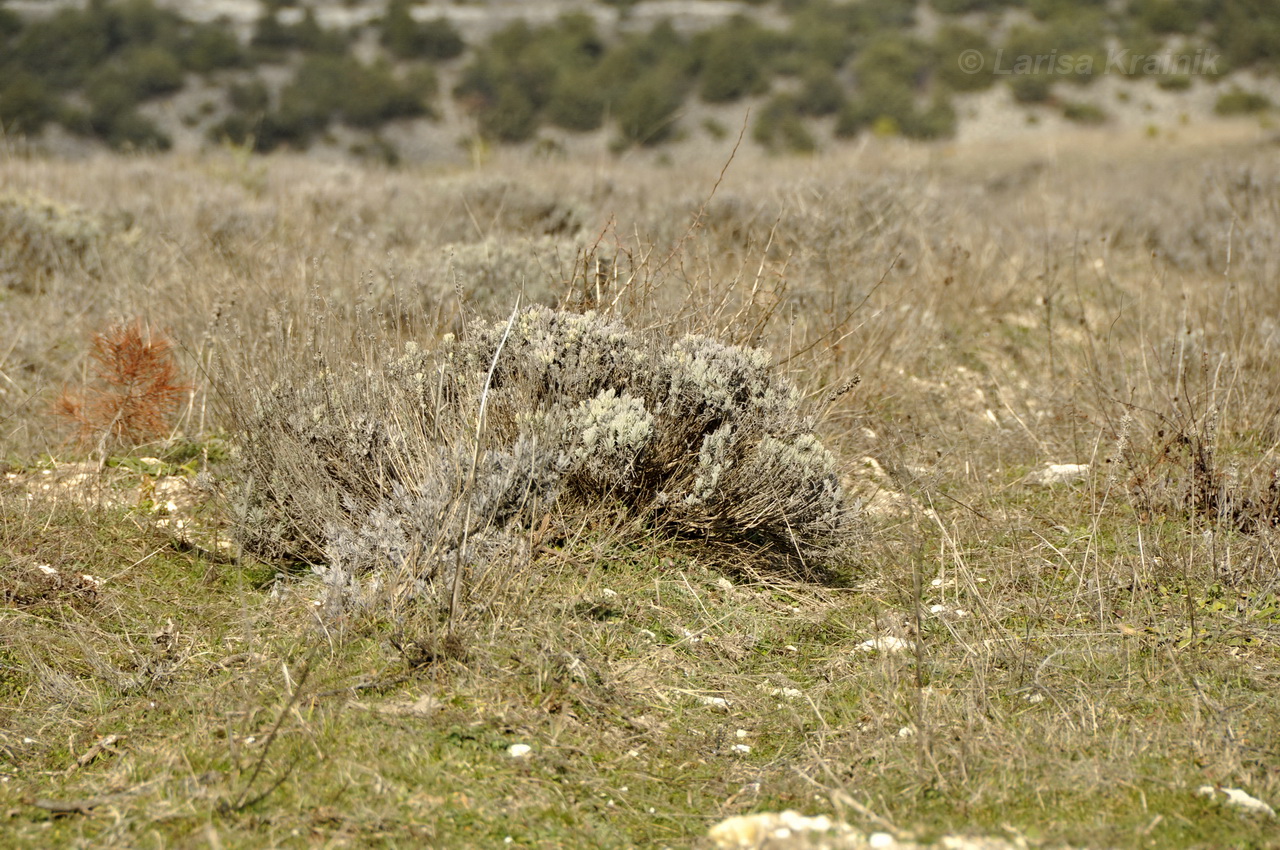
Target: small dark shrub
(408,39)
(735,61)
(577,102)
(1031,88)
(646,113)
(211,47)
(1240,102)
(780,126)
(820,93)
(1084,113)
(26,104)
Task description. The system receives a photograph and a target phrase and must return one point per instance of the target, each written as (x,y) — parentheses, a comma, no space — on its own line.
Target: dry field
(1057,655)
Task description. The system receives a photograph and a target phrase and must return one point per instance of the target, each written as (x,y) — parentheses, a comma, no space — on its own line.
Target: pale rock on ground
(1058,473)
(791,830)
(1239,799)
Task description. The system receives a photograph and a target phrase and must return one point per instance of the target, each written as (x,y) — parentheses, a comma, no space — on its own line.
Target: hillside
(443,82)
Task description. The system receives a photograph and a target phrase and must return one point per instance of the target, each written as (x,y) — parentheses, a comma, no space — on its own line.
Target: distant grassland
(1068,663)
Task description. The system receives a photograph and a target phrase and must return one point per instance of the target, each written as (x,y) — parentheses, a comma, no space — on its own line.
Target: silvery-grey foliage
(368,473)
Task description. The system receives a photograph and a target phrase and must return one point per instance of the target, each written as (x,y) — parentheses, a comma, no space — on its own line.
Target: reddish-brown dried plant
(135,390)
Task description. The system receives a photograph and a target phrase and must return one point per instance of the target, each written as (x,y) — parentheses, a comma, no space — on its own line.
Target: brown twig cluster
(134,392)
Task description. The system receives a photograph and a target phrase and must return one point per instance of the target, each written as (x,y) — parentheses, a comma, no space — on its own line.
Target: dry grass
(1076,659)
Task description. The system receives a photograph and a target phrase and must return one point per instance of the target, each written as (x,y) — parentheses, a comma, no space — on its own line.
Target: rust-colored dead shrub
(134,392)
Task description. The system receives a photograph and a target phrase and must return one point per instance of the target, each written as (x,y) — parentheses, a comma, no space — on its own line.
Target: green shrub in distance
(964,7)
(132,131)
(211,47)
(646,112)
(148,71)
(950,51)
(1048,9)
(250,96)
(10,24)
(780,127)
(893,58)
(407,38)
(877,97)
(1031,88)
(818,35)
(1241,102)
(1083,113)
(510,117)
(735,61)
(577,102)
(26,104)
(62,49)
(1248,31)
(936,121)
(1169,16)
(821,92)
(1174,82)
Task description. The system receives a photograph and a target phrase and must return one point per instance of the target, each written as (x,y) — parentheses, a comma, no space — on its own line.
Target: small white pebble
(609,594)
(28,740)
(635,754)
(508,840)
(724,584)
(937,582)
(791,648)
(881,840)
(46,569)
(960,612)
(937,609)
(741,748)
(715,702)
(652,810)
(92,581)
(741,733)
(906,732)
(519,751)
(650,635)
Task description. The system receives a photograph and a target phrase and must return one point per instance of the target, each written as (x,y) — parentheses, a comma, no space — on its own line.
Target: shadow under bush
(367,473)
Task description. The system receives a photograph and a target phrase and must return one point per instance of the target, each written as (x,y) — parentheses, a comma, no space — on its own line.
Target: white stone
(519,751)
(888,643)
(1238,798)
(1058,473)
